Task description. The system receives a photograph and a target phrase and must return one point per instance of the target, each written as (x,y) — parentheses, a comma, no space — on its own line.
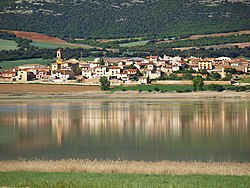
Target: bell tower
(59,54)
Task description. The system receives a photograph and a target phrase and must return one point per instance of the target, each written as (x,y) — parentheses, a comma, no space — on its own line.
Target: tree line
(33,52)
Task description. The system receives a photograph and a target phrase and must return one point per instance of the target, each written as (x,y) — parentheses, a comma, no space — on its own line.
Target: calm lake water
(179,130)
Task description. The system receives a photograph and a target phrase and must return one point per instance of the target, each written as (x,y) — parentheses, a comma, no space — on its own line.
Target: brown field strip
(40,88)
(35,36)
(219,34)
(194,37)
(128,167)
(240,45)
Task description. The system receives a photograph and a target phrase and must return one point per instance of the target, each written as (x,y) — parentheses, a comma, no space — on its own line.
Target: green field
(11,45)
(131,44)
(51,45)
(179,88)
(87,58)
(44,179)
(163,88)
(244,80)
(10,64)
(7,44)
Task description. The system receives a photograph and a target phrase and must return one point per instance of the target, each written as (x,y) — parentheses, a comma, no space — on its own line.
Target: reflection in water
(138,130)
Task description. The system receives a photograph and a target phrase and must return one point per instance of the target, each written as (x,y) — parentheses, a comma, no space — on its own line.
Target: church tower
(59,54)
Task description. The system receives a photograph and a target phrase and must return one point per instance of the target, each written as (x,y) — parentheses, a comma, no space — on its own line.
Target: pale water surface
(179,130)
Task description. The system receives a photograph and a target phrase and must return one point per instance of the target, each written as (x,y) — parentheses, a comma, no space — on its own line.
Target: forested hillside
(124,18)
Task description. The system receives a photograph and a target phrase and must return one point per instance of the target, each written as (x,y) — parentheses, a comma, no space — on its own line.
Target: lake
(149,130)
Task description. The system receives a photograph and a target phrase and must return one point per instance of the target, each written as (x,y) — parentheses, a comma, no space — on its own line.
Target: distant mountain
(124,18)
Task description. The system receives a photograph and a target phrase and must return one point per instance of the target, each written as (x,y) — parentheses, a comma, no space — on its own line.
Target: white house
(100,71)
(114,72)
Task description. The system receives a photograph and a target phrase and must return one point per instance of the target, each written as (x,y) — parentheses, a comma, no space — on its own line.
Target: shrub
(156,89)
(238,88)
(215,87)
(179,91)
(187,90)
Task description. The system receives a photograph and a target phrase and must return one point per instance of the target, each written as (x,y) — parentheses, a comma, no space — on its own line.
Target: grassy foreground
(57,179)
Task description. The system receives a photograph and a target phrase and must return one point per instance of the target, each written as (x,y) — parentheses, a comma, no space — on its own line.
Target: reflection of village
(58,123)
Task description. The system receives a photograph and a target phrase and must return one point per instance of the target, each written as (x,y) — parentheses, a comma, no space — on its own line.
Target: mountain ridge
(124,18)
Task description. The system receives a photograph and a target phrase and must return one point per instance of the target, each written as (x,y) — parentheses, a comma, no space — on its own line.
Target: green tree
(104,83)
(131,66)
(173,77)
(214,76)
(78,71)
(228,76)
(188,76)
(101,61)
(198,83)
(231,70)
(204,71)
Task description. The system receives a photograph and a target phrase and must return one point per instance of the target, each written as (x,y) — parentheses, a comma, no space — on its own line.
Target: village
(121,70)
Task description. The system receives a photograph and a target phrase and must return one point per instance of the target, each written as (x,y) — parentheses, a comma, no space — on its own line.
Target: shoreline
(36,91)
(131,95)
(127,167)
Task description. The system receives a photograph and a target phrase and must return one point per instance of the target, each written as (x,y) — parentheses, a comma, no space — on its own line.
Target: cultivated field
(111,40)
(11,64)
(219,34)
(45,41)
(35,36)
(40,88)
(7,45)
(229,45)
(193,37)
(137,43)
(52,45)
(240,45)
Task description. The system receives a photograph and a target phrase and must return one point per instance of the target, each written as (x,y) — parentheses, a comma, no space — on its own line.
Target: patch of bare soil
(45,89)
(35,36)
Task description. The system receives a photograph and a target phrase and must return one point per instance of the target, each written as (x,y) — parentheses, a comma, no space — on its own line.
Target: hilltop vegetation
(124,18)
